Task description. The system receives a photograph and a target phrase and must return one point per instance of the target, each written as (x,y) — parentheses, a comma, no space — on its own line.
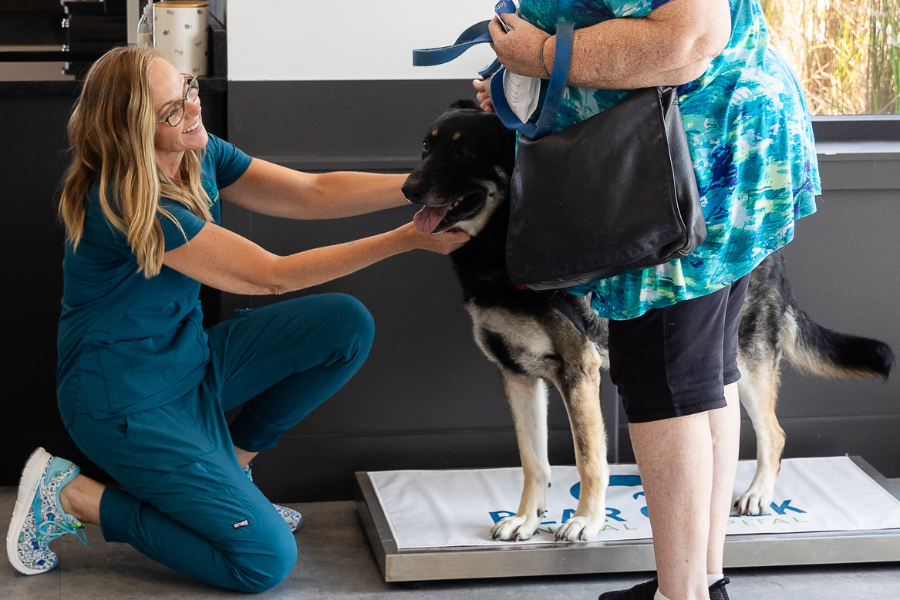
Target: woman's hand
(442,243)
(519,50)
(483,87)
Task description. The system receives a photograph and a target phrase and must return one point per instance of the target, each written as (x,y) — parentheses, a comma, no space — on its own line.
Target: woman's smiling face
(167,88)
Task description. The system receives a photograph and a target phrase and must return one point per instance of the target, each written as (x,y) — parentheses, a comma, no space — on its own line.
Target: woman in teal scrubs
(142,387)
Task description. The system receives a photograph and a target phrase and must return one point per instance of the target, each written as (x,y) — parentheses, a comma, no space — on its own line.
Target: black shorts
(675,361)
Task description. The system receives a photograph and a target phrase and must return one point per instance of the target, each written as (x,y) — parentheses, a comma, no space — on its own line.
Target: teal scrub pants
(186,501)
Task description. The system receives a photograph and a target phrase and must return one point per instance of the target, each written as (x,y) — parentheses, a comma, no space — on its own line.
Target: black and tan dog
(462,182)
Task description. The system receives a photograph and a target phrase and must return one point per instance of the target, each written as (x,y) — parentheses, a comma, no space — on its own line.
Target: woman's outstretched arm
(277,191)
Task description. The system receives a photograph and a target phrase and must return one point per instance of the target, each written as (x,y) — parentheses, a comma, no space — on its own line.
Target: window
(845,52)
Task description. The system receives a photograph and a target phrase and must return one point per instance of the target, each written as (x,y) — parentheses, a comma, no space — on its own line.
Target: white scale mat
(446,509)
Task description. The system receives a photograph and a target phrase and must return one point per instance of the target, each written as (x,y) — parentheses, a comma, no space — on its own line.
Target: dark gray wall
(427,398)
(844,266)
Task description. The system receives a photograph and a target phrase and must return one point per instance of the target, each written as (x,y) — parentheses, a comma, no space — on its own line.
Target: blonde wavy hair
(111,133)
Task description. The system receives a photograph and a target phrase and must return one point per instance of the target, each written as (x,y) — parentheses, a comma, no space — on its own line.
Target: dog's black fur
(467,161)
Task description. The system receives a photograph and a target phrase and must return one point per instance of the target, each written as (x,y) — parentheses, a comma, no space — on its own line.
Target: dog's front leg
(580,388)
(527,398)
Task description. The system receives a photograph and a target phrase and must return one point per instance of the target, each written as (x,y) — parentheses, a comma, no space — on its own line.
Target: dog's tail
(817,350)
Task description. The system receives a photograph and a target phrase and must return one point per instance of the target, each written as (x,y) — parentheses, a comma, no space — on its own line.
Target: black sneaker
(647,590)
(717,590)
(642,591)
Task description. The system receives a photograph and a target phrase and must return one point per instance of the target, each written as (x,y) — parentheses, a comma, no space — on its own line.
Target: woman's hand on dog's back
(442,243)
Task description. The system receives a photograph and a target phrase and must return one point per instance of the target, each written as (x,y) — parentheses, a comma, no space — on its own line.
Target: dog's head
(467,160)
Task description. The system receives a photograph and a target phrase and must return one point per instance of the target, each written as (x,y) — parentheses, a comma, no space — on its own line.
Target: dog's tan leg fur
(758,390)
(580,389)
(527,398)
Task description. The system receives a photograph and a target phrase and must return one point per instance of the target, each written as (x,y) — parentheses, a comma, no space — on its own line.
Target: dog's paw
(515,528)
(579,529)
(754,501)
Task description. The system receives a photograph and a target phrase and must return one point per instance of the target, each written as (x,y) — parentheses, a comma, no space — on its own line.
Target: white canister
(181,34)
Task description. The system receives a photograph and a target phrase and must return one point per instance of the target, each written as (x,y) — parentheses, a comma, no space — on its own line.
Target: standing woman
(142,388)
(673,328)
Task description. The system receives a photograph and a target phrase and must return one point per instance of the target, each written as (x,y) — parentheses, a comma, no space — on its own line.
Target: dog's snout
(414,189)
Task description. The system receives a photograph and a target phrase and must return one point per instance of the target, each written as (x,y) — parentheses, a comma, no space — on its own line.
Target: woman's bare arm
(672,45)
(274,190)
(226,261)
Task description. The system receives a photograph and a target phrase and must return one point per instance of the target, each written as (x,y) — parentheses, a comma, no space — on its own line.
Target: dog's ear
(465,103)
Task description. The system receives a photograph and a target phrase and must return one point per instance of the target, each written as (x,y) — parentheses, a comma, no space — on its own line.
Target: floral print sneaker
(38,517)
(290,516)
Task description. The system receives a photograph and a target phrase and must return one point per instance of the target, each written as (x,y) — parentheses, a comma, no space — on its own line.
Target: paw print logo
(199,11)
(165,32)
(187,25)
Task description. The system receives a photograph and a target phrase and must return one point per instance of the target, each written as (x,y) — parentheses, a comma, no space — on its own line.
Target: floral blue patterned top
(751,143)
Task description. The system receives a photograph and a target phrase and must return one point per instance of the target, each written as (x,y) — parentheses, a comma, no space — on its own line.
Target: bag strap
(476,34)
(556,87)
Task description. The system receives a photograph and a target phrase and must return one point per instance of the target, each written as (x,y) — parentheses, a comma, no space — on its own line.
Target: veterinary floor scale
(435,525)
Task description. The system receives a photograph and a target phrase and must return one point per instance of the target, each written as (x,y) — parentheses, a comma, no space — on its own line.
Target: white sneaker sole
(28,484)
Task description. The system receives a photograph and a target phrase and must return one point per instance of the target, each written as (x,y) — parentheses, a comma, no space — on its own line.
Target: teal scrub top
(127,343)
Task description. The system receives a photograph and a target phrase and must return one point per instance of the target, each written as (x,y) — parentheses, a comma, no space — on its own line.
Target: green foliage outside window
(845,52)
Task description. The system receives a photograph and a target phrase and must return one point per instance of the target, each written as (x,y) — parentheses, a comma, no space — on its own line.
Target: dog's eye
(425,146)
(463,151)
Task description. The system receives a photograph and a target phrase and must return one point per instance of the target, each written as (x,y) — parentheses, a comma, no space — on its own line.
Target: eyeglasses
(190,95)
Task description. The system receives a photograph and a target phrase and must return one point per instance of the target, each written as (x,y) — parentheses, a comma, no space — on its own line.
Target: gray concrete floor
(336,562)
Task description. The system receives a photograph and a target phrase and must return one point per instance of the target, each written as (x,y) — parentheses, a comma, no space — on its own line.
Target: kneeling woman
(142,388)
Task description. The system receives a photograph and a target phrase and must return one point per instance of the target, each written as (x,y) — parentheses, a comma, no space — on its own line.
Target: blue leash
(479,34)
(476,34)
(558,77)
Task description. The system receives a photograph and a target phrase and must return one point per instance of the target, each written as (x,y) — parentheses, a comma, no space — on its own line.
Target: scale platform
(435,525)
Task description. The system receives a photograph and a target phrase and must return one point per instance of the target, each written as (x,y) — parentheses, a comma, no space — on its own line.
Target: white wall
(349,39)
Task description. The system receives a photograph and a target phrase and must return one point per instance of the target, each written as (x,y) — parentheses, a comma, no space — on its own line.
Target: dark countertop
(38,69)
(35,78)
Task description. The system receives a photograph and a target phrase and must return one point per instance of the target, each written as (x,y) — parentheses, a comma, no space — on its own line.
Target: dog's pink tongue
(429,218)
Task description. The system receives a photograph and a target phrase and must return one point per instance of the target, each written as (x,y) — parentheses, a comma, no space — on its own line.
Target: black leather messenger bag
(610,194)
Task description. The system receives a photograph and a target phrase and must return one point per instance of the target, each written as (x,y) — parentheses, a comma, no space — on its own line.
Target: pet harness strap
(556,299)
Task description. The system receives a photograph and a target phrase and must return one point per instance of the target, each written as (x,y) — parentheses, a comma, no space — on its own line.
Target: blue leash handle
(476,34)
(558,76)
(479,34)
